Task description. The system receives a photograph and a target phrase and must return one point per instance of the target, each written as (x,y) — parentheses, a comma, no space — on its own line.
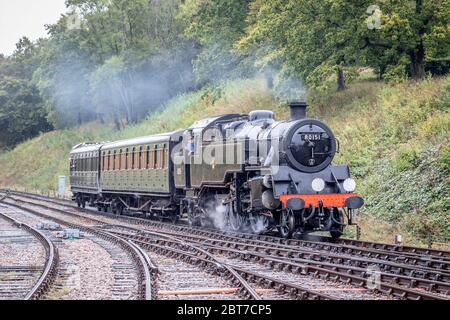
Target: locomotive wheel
(83,204)
(149,215)
(259,223)
(117,209)
(193,221)
(236,220)
(174,218)
(202,217)
(204,221)
(198,217)
(286,224)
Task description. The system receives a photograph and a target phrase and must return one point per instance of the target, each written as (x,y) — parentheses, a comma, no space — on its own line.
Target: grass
(396,139)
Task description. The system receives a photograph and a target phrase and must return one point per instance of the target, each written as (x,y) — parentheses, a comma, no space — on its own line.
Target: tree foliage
(22,114)
(115,61)
(215,26)
(313,39)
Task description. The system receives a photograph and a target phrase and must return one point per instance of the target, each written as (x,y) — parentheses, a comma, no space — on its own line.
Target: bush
(407,159)
(444,157)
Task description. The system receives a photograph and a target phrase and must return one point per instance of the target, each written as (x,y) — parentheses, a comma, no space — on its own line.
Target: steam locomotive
(234,172)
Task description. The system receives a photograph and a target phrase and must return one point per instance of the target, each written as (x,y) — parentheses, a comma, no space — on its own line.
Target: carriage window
(166,158)
(119,165)
(151,157)
(147,157)
(127,159)
(140,158)
(155,160)
(114,160)
(163,152)
(132,158)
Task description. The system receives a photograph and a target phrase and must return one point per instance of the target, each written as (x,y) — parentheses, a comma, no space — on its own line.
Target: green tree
(215,25)
(410,33)
(22,114)
(314,39)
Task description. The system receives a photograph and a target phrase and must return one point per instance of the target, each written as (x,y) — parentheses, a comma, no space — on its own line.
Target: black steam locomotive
(238,172)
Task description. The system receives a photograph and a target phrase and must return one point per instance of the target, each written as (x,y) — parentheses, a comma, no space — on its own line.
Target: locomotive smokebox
(298,110)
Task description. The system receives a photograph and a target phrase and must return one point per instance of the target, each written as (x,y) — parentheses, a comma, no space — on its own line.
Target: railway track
(19,282)
(199,258)
(136,277)
(394,278)
(315,242)
(430,267)
(263,278)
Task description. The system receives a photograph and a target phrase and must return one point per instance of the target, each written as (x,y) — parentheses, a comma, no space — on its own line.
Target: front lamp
(318,184)
(349,185)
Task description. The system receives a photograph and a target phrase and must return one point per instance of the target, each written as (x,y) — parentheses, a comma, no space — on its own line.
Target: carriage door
(182,158)
(189,149)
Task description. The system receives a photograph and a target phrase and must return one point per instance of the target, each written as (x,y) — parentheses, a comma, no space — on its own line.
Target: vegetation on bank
(394,137)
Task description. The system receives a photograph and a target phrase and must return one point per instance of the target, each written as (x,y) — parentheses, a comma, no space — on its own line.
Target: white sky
(20,18)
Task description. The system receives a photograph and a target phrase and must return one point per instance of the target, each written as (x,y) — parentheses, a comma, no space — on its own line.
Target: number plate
(312,137)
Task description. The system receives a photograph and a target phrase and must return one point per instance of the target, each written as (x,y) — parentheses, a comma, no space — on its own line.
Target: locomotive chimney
(298,110)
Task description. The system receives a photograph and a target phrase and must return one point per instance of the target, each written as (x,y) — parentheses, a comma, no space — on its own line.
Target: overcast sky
(20,18)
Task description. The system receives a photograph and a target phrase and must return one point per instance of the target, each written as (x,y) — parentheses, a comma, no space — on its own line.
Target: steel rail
(49,272)
(431,285)
(435,286)
(230,270)
(167,244)
(131,251)
(341,273)
(335,261)
(246,286)
(403,249)
(405,257)
(397,268)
